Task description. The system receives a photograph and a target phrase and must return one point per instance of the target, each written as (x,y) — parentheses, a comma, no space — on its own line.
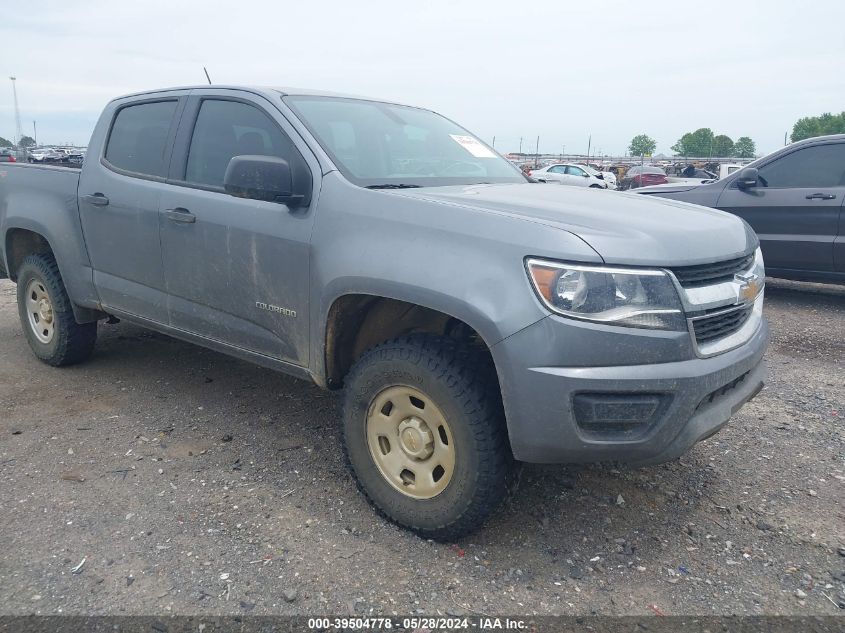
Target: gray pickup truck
(473,318)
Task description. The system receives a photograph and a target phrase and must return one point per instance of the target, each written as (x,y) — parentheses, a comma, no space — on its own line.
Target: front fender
(453,259)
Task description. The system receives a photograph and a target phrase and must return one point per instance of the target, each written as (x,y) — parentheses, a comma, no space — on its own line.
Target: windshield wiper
(401,185)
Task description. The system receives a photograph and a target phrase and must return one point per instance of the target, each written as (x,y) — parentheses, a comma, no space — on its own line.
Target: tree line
(822,125)
(702,142)
(26,141)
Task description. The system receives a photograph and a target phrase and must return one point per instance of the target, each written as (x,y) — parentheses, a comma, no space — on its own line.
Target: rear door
(236,269)
(795,206)
(556,173)
(119,193)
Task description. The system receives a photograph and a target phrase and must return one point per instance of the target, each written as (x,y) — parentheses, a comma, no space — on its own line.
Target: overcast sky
(558,69)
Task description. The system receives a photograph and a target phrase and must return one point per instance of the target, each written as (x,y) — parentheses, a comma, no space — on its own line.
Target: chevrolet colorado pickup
(473,319)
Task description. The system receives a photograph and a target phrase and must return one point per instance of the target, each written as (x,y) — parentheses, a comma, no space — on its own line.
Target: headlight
(604,294)
(759,267)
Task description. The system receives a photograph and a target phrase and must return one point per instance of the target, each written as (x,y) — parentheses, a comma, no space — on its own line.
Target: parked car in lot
(793,199)
(726,169)
(608,177)
(44,154)
(706,177)
(69,155)
(472,317)
(569,174)
(7,156)
(642,176)
(692,175)
(74,156)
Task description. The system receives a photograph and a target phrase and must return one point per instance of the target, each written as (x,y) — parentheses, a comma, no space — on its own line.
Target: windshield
(378,144)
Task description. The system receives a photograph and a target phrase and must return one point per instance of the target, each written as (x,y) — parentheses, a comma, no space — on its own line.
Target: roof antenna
(206,75)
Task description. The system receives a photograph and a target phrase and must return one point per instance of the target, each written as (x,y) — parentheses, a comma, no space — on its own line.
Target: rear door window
(811,167)
(138,139)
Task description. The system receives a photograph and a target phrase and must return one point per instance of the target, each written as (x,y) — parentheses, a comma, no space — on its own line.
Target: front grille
(720,324)
(708,274)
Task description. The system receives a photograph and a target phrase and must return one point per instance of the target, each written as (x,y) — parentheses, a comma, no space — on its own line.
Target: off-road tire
(463,385)
(71,342)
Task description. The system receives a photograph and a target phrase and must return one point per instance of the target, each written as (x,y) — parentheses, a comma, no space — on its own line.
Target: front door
(118,206)
(795,207)
(236,270)
(576,176)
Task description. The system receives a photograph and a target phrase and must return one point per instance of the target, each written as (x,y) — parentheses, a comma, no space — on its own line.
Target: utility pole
(494,142)
(784,138)
(520,145)
(35,134)
(18,130)
(589,143)
(537,154)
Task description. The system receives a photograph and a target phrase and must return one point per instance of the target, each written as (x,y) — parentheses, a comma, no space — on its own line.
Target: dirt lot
(192,483)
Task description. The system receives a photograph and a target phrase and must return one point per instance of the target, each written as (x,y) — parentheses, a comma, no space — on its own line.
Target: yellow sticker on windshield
(473,146)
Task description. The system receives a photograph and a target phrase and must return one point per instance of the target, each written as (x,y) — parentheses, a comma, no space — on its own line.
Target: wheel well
(19,244)
(358,322)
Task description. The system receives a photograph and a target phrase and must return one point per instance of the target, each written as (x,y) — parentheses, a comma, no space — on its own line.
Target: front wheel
(47,316)
(425,435)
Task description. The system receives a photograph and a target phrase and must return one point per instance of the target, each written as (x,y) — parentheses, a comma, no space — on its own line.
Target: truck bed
(43,199)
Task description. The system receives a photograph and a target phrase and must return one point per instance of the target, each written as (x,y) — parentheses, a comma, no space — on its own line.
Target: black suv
(793,199)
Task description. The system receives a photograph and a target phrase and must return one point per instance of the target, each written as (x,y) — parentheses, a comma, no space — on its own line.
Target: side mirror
(586,175)
(747,178)
(265,178)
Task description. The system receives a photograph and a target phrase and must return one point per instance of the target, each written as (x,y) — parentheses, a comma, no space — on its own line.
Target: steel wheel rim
(39,310)
(410,442)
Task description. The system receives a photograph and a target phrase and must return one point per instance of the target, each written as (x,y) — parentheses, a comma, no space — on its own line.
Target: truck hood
(622,228)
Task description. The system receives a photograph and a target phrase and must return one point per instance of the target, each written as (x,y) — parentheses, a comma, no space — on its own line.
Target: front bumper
(544,368)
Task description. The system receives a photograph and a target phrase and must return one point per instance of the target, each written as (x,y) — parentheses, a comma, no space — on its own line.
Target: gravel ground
(192,483)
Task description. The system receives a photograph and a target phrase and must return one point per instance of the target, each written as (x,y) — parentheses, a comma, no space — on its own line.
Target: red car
(6,156)
(643,177)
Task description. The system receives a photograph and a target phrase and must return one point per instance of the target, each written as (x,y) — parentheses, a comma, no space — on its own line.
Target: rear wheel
(425,435)
(47,316)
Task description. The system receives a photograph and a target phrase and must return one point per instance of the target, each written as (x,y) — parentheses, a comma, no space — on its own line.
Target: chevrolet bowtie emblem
(750,286)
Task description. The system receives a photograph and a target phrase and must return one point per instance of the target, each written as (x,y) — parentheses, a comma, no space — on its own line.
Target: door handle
(821,196)
(97,199)
(180,214)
